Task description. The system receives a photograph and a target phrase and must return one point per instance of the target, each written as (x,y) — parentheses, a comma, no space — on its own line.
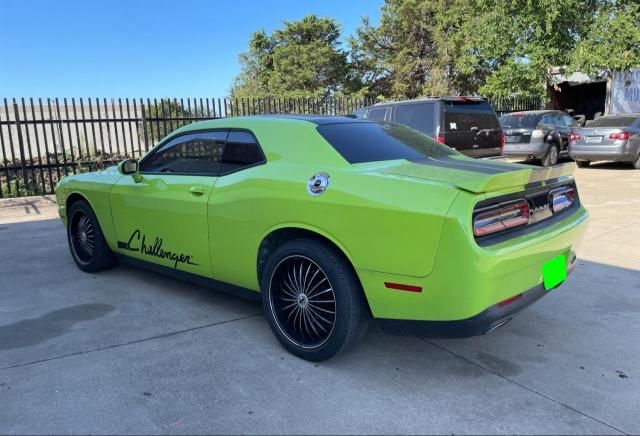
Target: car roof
(247,121)
(318,118)
(445,98)
(538,112)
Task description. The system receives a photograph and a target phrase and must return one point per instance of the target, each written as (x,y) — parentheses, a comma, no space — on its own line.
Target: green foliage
(17,188)
(302,59)
(498,48)
(612,41)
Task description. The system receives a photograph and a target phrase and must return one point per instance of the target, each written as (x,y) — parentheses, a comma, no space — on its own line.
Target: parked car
(332,221)
(541,135)
(610,137)
(466,124)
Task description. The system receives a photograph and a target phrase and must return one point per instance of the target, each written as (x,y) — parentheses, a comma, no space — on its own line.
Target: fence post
(23,163)
(144,126)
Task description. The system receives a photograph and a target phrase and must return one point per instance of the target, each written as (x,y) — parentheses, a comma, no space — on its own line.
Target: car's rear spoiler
(478,175)
(521,177)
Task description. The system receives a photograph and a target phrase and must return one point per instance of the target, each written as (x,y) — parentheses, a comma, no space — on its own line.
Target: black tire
(551,157)
(636,163)
(325,328)
(86,241)
(583,163)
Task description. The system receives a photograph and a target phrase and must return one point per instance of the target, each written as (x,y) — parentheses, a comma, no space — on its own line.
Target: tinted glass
(462,116)
(360,113)
(241,150)
(548,119)
(194,153)
(568,121)
(371,142)
(613,121)
(419,116)
(377,114)
(515,121)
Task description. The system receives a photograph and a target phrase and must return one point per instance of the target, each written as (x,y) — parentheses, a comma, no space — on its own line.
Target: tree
(533,36)
(495,47)
(612,42)
(302,59)
(406,55)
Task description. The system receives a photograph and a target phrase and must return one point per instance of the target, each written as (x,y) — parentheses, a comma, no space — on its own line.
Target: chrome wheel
(302,301)
(83,238)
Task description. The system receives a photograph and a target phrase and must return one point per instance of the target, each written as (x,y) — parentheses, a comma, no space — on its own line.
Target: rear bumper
(480,324)
(619,153)
(468,278)
(536,149)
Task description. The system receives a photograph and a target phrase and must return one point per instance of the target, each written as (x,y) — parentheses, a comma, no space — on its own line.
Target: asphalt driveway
(130,351)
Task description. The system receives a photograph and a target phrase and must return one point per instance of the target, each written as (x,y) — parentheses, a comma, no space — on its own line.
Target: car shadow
(620,166)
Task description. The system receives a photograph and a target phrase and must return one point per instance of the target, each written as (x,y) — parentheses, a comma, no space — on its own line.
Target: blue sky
(115,48)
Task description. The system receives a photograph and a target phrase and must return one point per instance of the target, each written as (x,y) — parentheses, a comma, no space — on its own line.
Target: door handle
(197,190)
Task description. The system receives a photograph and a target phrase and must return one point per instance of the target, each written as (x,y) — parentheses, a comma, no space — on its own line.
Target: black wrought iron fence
(43,140)
(512,104)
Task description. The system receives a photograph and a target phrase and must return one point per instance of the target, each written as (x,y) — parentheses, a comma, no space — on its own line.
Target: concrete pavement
(130,351)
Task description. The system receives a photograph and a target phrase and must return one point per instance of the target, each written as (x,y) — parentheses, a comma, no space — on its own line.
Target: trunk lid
(477,176)
(517,136)
(597,136)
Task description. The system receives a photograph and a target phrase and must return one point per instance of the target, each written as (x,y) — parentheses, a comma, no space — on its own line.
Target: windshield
(517,121)
(371,142)
(612,121)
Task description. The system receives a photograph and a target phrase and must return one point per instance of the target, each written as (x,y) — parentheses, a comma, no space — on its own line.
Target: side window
(377,114)
(558,120)
(195,153)
(548,120)
(420,116)
(242,150)
(568,121)
(360,113)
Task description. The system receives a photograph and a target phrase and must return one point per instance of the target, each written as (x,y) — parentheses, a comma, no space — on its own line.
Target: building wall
(625,91)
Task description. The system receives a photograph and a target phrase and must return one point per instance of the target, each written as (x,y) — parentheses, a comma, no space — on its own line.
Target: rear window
(612,122)
(462,116)
(420,116)
(520,121)
(371,142)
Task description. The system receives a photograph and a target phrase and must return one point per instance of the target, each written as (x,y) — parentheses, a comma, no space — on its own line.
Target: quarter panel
(385,223)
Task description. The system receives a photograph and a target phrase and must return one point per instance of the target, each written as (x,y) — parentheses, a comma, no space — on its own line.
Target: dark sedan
(612,137)
(540,135)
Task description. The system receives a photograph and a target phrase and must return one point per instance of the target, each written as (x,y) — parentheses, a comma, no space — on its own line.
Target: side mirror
(130,167)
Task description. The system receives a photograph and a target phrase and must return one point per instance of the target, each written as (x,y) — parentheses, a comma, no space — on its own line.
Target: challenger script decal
(137,242)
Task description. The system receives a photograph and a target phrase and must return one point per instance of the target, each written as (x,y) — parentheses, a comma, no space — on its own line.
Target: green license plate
(554,272)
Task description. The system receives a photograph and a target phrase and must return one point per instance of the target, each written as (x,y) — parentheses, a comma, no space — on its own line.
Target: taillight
(440,139)
(503,141)
(501,217)
(623,136)
(561,198)
(574,137)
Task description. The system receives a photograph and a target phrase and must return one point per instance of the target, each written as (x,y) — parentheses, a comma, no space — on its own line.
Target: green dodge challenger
(333,221)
